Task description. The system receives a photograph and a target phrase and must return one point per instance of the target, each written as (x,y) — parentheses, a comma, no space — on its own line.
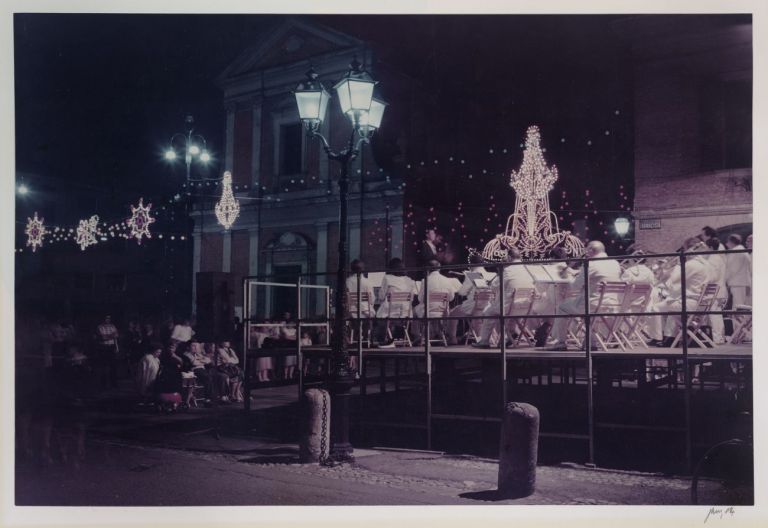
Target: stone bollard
(518,450)
(315,441)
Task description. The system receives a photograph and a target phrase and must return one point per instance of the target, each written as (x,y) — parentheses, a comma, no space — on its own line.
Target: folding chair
(527,297)
(692,329)
(400,305)
(605,327)
(636,301)
(441,299)
(353,311)
(742,325)
(482,299)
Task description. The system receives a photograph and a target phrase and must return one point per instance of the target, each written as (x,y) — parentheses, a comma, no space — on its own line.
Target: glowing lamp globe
(371,120)
(205,157)
(194,150)
(170,155)
(355,91)
(22,189)
(312,100)
(621,225)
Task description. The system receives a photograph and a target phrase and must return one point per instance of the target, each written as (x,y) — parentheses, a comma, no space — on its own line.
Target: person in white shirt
(515,276)
(435,282)
(468,288)
(663,329)
(395,281)
(599,271)
(365,286)
(738,274)
(182,332)
(717,265)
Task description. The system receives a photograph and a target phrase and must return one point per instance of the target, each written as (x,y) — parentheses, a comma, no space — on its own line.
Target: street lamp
(621,225)
(191,146)
(355,93)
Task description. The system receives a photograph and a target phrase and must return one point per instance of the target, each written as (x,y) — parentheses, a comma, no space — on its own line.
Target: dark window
(726,125)
(290,148)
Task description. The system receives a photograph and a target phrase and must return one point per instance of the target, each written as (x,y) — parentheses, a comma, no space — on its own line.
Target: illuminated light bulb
(194,150)
(170,154)
(205,157)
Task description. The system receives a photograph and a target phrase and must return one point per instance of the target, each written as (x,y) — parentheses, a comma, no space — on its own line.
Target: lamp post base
(339,385)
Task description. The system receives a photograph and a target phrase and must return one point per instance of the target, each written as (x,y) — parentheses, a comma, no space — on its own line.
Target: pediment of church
(292,41)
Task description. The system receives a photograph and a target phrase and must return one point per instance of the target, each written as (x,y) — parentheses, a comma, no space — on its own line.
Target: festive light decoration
(87,232)
(228,208)
(140,220)
(532,228)
(35,232)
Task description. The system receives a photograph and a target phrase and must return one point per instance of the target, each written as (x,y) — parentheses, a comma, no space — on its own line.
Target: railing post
(299,354)
(590,373)
(502,336)
(428,358)
(246,332)
(686,364)
(360,323)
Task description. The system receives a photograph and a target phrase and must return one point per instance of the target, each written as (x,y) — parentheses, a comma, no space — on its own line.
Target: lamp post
(191,148)
(357,102)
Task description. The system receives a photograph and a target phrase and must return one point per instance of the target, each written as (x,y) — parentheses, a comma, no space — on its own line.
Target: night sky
(98,96)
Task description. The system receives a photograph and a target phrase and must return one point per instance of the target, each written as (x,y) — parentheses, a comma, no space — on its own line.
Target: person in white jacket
(365,285)
(662,329)
(435,282)
(599,271)
(738,275)
(717,263)
(515,276)
(469,287)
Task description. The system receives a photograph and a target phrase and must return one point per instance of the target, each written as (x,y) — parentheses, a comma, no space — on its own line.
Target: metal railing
(588,315)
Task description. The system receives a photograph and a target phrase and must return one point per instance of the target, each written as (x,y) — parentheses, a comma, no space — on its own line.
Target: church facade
(286,186)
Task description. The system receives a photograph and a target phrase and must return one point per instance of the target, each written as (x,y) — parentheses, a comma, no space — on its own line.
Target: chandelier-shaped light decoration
(35,232)
(87,232)
(140,220)
(228,208)
(532,228)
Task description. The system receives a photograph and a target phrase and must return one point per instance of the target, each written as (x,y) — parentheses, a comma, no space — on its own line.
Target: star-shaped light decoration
(228,208)
(140,220)
(35,232)
(87,232)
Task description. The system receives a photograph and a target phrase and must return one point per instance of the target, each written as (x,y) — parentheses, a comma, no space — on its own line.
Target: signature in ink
(720,513)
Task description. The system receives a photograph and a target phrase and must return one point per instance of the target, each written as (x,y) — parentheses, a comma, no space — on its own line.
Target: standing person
(708,233)
(717,264)
(106,342)
(738,276)
(182,331)
(429,250)
(514,277)
(599,271)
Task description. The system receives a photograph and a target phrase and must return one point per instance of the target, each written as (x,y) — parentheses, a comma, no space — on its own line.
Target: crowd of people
(165,363)
(563,296)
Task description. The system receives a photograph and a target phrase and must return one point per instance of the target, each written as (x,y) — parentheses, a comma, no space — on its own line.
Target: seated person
(199,363)
(394,281)
(514,277)
(366,307)
(219,378)
(435,282)
(468,289)
(229,363)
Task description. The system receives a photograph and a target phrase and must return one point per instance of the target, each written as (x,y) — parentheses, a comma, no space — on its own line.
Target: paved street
(146,459)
